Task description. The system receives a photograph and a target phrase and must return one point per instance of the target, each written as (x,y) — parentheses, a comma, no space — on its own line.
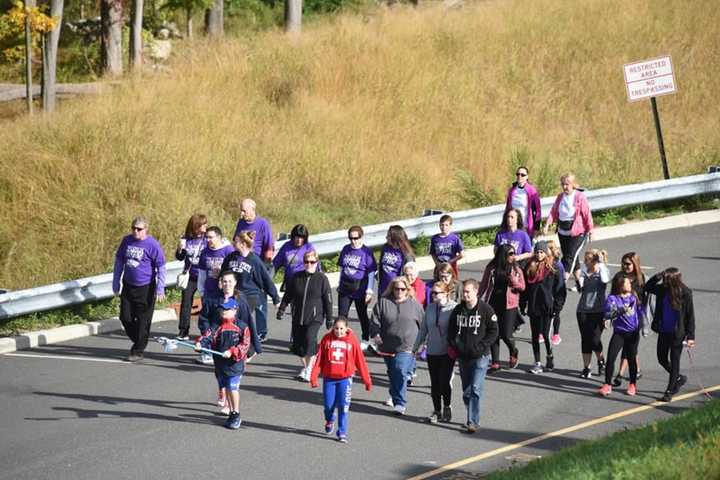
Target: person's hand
(368,387)
(368,298)
(314,384)
(607,323)
(250,358)
(160,297)
(378,341)
(280,313)
(227,354)
(198,347)
(691,343)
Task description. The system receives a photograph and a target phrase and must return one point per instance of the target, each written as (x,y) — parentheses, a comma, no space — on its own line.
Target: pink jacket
(533,216)
(515,287)
(583,222)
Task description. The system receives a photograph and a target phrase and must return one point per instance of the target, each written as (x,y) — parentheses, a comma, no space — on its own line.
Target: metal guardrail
(99,287)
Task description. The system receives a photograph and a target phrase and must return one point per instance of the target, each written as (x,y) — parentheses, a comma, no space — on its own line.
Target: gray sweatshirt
(434,327)
(396,323)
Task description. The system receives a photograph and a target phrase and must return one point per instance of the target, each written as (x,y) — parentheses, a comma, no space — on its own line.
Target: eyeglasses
(399,289)
(354,238)
(521,174)
(310,262)
(138,229)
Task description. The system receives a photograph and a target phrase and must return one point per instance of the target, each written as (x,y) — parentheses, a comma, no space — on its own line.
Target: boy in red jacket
(338,355)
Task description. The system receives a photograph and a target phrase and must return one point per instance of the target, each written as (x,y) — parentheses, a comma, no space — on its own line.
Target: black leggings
(591,327)
(556,324)
(506,324)
(570,247)
(667,345)
(627,341)
(361,308)
(540,324)
(186,307)
(441,369)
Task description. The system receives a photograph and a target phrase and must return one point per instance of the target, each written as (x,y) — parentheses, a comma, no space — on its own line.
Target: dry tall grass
(361,119)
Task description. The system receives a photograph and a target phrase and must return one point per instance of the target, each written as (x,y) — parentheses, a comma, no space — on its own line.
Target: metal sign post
(650,79)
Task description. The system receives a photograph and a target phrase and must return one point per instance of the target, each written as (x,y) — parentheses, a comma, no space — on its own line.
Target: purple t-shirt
(263,235)
(193,249)
(446,248)
(518,239)
(290,257)
(391,264)
(623,312)
(670,316)
(356,264)
(211,262)
(139,262)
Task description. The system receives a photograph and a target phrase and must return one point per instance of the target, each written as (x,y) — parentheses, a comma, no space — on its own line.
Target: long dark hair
(500,262)
(634,258)
(193,226)
(504,224)
(672,279)
(397,238)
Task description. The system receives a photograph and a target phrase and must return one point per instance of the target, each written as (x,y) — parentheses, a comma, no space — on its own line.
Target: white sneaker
(302,373)
(399,409)
(205,359)
(364,345)
(389,402)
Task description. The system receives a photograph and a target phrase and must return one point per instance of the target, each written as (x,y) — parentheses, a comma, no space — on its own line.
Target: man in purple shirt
(264,247)
(140,262)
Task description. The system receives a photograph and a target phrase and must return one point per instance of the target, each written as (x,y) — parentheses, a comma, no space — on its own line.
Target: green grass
(686,446)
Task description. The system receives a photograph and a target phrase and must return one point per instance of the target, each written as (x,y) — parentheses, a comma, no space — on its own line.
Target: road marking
(557,433)
(66,357)
(643,267)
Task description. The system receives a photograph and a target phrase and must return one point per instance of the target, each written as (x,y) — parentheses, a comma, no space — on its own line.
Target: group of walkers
(443,320)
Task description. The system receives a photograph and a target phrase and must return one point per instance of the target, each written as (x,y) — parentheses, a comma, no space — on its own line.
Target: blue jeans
(336,396)
(399,369)
(209,318)
(261,315)
(472,375)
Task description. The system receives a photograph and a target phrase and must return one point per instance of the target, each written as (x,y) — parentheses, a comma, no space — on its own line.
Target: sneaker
(364,345)
(495,367)
(513,363)
(638,376)
(605,390)
(667,396)
(518,329)
(550,363)
(399,410)
(262,338)
(541,338)
(205,359)
(434,417)
(446,414)
(470,427)
(389,402)
(234,421)
(302,373)
(536,369)
(221,400)
(574,288)
(631,390)
(682,380)
(342,438)
(329,426)
(601,367)
(617,381)
(586,373)
(134,357)
(555,339)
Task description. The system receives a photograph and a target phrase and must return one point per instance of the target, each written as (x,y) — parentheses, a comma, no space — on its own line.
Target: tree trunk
(189,24)
(214,20)
(136,45)
(50,49)
(28,57)
(293,16)
(111,37)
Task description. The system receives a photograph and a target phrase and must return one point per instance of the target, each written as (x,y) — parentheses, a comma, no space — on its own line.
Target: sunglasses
(354,238)
(521,174)
(138,229)
(311,262)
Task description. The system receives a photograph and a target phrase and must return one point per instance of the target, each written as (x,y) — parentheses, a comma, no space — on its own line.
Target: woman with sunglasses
(310,294)
(501,285)
(524,197)
(630,269)
(396,320)
(433,334)
(357,280)
(444,273)
(189,247)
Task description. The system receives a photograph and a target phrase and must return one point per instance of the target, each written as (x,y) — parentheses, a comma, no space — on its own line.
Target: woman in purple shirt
(190,246)
(357,279)
(512,233)
(290,256)
(396,252)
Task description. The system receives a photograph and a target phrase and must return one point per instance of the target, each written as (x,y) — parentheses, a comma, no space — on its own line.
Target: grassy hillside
(363,118)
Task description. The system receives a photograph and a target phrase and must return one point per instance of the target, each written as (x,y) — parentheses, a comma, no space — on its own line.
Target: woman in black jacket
(310,294)
(674,322)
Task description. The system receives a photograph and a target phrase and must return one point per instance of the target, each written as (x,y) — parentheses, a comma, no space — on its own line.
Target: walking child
(232,338)
(339,354)
(446,246)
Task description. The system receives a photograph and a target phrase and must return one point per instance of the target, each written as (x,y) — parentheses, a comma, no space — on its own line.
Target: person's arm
(689,308)
(202,276)
(604,273)
(327,301)
(559,292)
(118,267)
(376,322)
(267,284)
(239,351)
(161,273)
(587,217)
(423,331)
(362,365)
(553,215)
(491,330)
(319,362)
(452,327)
(268,247)
(536,209)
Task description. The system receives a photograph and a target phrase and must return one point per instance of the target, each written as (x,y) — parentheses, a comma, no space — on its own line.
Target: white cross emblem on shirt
(337,354)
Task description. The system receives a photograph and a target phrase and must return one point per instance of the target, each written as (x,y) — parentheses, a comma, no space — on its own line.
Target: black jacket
(685,327)
(547,296)
(472,331)
(311,298)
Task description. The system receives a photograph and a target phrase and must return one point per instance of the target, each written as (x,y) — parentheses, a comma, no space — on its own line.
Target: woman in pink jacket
(502,283)
(524,196)
(574,221)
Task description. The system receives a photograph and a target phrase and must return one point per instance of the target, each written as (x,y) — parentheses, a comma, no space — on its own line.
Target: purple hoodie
(532,216)
(263,236)
(623,312)
(139,262)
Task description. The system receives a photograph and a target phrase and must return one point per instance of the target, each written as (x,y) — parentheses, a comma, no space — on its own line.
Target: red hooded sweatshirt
(338,358)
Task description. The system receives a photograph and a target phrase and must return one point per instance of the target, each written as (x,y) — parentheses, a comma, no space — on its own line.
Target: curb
(72,332)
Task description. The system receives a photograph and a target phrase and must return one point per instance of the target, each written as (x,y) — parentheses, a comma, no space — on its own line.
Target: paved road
(70,416)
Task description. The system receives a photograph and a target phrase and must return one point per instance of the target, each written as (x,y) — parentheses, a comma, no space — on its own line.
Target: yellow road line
(557,433)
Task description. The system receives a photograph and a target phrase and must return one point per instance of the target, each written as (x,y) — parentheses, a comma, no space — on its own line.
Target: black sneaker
(586,373)
(262,338)
(446,414)
(550,363)
(682,380)
(601,367)
(667,397)
(617,381)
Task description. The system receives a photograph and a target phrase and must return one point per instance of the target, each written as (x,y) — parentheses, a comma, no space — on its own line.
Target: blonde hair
(554,249)
(596,255)
(570,177)
(246,238)
(399,279)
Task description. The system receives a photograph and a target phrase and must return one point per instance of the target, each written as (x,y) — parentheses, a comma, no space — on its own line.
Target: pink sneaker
(605,390)
(541,338)
(555,340)
(632,390)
